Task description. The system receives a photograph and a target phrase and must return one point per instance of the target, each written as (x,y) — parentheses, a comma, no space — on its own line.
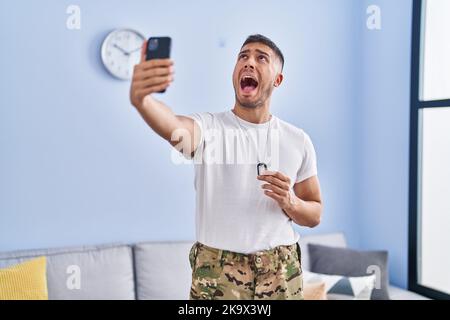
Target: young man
(246,246)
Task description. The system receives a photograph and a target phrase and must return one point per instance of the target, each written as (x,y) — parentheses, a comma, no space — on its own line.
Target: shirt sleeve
(201,119)
(308,167)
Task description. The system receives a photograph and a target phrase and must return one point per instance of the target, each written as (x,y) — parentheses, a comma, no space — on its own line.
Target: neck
(254,115)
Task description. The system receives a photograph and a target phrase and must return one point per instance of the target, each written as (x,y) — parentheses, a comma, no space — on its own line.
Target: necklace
(259,164)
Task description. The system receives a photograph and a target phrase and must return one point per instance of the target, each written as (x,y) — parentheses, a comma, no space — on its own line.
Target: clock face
(121,51)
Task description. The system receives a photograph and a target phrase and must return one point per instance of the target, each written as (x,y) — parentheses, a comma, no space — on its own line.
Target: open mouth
(248,84)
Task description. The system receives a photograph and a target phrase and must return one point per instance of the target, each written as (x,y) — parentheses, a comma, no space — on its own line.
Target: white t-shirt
(232,211)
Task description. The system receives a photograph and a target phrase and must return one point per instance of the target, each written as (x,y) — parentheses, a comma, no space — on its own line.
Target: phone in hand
(158,48)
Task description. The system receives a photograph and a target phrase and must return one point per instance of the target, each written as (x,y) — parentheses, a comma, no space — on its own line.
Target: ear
(278,80)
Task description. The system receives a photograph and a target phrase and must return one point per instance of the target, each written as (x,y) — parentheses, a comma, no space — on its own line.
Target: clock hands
(121,49)
(127,53)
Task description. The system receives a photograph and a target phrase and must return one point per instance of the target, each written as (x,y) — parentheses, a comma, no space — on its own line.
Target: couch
(149,270)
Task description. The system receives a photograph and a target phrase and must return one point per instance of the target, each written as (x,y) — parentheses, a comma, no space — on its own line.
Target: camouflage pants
(221,274)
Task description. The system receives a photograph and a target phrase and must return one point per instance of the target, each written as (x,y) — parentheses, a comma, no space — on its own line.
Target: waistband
(282,251)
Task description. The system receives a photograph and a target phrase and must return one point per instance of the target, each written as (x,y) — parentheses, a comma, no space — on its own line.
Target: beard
(265,94)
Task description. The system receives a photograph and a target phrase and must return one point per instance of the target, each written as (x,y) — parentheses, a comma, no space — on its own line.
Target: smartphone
(158,48)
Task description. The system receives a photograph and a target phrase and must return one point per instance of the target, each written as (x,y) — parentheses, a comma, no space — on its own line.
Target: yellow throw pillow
(25,281)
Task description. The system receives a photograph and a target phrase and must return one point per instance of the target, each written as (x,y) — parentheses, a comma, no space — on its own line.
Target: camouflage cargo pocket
(206,274)
(206,262)
(293,274)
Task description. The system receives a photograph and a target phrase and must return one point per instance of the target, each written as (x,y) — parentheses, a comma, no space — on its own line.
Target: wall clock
(121,51)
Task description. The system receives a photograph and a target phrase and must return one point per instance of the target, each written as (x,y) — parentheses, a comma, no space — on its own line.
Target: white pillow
(341,287)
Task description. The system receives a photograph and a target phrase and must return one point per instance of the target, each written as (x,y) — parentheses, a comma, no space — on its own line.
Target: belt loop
(197,245)
(299,253)
(220,256)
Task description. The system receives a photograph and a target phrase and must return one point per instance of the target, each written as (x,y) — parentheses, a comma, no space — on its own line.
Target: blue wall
(79,166)
(383,136)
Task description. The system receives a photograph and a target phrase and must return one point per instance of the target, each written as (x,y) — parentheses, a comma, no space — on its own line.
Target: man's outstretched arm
(153,76)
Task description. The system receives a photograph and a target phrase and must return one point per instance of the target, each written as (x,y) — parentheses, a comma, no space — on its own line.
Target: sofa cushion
(341,287)
(84,273)
(352,263)
(329,239)
(163,270)
(314,290)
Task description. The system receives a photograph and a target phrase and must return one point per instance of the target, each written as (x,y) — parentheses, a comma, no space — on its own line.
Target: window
(435,50)
(429,202)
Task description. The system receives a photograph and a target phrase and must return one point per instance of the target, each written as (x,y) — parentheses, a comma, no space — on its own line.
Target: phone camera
(153,44)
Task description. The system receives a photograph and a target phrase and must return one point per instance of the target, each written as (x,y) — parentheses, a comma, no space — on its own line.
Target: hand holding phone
(158,48)
(154,73)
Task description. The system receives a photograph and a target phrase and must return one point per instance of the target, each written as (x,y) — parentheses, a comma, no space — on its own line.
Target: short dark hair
(264,40)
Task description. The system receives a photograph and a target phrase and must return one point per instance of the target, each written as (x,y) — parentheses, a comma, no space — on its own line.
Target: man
(246,246)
